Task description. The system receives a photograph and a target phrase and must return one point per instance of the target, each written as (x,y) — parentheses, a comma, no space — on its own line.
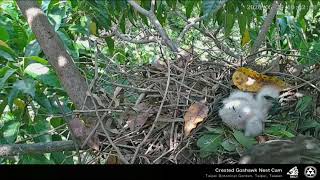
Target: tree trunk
(70,77)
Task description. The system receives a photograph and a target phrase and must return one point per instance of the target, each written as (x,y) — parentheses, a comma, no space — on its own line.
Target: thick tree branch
(265,27)
(70,77)
(153,19)
(36,148)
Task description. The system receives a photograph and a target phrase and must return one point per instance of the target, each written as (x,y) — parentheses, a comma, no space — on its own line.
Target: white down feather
(243,111)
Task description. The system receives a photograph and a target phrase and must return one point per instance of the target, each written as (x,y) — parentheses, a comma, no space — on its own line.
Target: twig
(131,87)
(221,46)
(194,90)
(153,19)
(135,41)
(36,148)
(307,82)
(157,116)
(122,158)
(70,128)
(191,23)
(99,110)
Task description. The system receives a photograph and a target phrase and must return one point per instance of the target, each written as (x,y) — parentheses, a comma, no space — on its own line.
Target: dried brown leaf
(138,120)
(117,94)
(113,160)
(81,132)
(262,139)
(77,127)
(98,100)
(159,65)
(141,107)
(196,113)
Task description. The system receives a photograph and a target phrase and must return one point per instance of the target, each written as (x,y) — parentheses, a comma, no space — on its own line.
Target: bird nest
(144,106)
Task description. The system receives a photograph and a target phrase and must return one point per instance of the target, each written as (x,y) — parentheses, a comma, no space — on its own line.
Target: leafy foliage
(28,83)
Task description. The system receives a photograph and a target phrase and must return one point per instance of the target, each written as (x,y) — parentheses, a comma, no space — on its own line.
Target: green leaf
(37,59)
(20,39)
(6,76)
(308,123)
(283,25)
(242,22)
(3,105)
(279,131)
(55,122)
(161,14)
(172,3)
(78,28)
(62,158)
(310,53)
(26,86)
(110,43)
(100,14)
(6,55)
(229,23)
(35,159)
(228,145)
(304,8)
(43,101)
(4,36)
(220,16)
(12,95)
(304,104)
(123,24)
(286,134)
(215,130)
(43,74)
(211,6)
(209,143)
(32,49)
(9,131)
(56,15)
(132,16)
(245,141)
(40,127)
(68,43)
(189,4)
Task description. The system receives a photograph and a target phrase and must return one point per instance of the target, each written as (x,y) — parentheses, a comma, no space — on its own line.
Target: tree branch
(265,27)
(135,41)
(221,46)
(36,148)
(74,84)
(191,23)
(153,19)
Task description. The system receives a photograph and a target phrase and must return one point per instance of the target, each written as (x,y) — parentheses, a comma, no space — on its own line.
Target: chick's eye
(268,97)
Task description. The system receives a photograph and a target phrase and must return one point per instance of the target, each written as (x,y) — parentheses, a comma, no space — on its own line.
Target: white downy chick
(237,108)
(242,111)
(262,105)
(263,98)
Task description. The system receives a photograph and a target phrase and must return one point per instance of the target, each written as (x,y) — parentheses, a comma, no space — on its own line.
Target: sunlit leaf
(43,74)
